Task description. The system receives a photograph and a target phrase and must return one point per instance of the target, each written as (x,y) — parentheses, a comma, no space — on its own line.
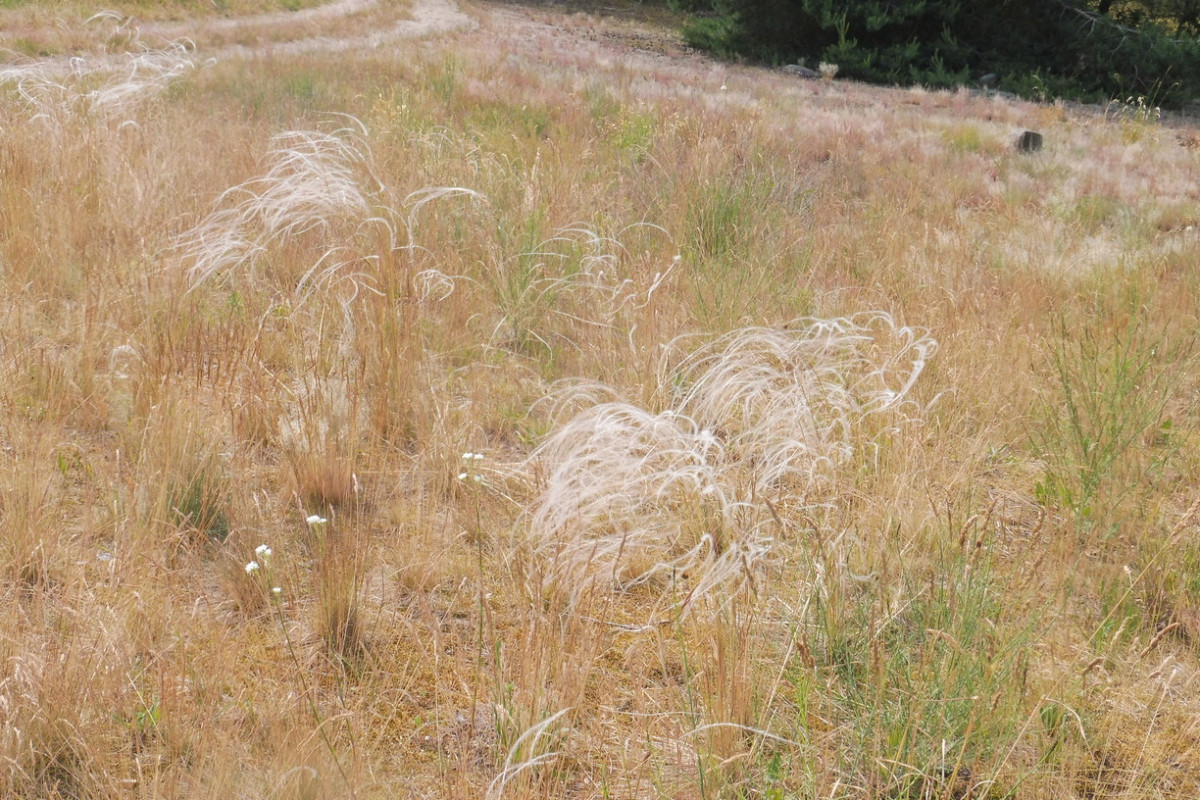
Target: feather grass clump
(318,204)
(789,404)
(756,422)
(108,86)
(566,286)
(621,484)
(317,192)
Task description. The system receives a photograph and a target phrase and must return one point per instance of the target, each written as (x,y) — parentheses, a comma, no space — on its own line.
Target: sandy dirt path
(154,53)
(428,18)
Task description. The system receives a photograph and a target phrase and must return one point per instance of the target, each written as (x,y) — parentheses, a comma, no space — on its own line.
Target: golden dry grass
(740,528)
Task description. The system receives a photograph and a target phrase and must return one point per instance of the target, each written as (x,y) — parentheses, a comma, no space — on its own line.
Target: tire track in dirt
(156,52)
(429,17)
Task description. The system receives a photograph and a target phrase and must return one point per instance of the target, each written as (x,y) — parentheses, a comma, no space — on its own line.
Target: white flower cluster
(262,554)
(471,459)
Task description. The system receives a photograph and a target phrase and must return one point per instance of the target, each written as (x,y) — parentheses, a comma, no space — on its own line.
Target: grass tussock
(308,189)
(536,409)
(756,421)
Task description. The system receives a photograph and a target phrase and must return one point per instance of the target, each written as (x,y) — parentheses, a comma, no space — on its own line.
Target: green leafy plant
(198,502)
(925,672)
(1105,426)
(1138,117)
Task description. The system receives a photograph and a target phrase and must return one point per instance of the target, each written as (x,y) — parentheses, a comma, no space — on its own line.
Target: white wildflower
(316,519)
(252,568)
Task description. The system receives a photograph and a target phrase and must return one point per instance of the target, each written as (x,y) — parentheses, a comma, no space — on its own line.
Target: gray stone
(801,72)
(1027,141)
(989,81)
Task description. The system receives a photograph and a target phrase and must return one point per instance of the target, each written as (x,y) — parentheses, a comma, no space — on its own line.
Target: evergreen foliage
(1095,50)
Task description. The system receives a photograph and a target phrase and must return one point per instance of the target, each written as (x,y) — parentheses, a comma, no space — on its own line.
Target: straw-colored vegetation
(539,410)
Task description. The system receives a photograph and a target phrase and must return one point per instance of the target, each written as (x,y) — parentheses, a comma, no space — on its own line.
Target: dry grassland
(502,402)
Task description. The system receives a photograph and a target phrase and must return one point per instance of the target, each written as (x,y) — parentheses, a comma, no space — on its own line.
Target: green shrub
(1040,50)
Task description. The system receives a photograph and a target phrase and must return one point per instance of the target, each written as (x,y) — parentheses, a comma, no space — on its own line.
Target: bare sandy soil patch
(387,22)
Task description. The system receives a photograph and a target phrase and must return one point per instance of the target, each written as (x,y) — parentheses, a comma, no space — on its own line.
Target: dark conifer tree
(1091,50)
